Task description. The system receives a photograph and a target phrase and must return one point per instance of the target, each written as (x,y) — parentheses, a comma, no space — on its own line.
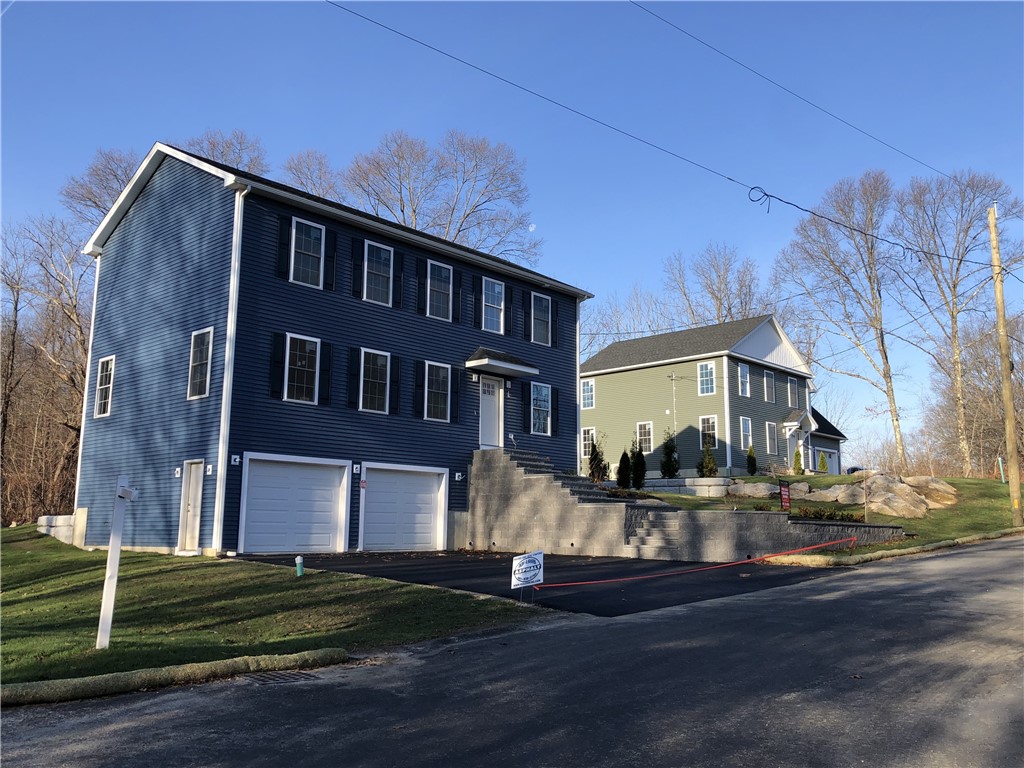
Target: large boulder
(937,493)
(753,490)
(886,495)
(849,494)
(799,490)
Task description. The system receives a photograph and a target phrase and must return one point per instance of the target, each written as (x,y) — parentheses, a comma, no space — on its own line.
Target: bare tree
(612,319)
(467,190)
(311,171)
(945,221)
(714,286)
(237,149)
(90,195)
(844,270)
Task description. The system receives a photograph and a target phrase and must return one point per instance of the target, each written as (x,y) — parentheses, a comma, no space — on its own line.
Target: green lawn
(984,506)
(179,610)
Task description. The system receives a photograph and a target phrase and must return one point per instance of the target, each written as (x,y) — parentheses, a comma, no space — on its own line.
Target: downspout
(728,423)
(229,370)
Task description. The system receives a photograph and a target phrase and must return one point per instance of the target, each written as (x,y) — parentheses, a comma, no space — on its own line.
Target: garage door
(401,510)
(292,507)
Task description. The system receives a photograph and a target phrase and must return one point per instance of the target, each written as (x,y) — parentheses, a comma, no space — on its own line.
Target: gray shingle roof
(825,427)
(672,346)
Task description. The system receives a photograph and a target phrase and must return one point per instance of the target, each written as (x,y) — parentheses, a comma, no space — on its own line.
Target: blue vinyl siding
(269,304)
(164,273)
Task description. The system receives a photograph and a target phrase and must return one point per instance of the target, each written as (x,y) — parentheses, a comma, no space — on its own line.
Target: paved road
(904,663)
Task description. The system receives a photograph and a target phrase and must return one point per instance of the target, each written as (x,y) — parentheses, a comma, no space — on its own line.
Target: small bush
(798,461)
(751,461)
(822,463)
(638,466)
(624,474)
(597,469)
(707,466)
(669,457)
(828,513)
(762,507)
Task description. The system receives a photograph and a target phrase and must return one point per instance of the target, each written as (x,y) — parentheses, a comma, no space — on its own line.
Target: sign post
(121,499)
(784,494)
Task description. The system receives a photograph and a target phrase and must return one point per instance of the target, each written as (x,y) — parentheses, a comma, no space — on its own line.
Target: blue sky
(944,82)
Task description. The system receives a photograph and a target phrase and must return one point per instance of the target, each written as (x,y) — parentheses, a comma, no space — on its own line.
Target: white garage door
(401,510)
(292,507)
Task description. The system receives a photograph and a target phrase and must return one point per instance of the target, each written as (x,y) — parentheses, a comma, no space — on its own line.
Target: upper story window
(645,436)
(307,263)
(303,364)
(378,273)
(199,364)
(706,378)
(769,387)
(439,291)
(745,433)
(587,393)
(540,399)
(541,333)
(794,393)
(493,318)
(744,379)
(104,386)
(374,377)
(709,431)
(438,388)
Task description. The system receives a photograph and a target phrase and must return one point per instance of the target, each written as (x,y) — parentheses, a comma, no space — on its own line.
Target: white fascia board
(774,367)
(487,365)
(654,364)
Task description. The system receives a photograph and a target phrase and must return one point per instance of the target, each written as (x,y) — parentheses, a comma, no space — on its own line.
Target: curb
(53,691)
(828,561)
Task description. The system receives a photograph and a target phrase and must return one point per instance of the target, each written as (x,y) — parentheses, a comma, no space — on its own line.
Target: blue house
(276,372)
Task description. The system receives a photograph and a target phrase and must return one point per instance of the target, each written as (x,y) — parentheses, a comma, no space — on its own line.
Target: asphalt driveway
(625,586)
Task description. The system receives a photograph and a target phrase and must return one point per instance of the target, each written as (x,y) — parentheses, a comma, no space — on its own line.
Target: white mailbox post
(124,494)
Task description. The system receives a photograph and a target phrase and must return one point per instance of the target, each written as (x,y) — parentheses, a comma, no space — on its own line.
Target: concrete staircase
(581,488)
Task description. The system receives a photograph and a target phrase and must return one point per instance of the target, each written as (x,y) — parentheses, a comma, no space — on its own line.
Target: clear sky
(941,81)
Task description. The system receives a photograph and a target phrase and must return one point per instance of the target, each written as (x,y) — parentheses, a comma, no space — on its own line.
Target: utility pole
(1009,414)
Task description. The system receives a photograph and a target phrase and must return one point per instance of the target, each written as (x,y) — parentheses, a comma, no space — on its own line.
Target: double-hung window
(794,394)
(493,318)
(540,404)
(587,393)
(301,369)
(437,389)
(769,387)
(104,386)
(439,291)
(199,364)
(379,262)
(645,436)
(771,438)
(744,379)
(589,438)
(541,333)
(374,377)
(709,431)
(745,435)
(307,263)
(706,378)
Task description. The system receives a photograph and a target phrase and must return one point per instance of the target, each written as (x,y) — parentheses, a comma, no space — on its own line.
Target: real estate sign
(528,569)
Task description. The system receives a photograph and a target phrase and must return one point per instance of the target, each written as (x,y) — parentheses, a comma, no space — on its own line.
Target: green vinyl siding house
(736,384)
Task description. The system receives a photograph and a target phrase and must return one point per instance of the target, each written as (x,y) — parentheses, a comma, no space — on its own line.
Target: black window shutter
(554,412)
(330,258)
(554,323)
(507,299)
(456,383)
(395,387)
(277,366)
(478,301)
(357,267)
(421,286)
(418,389)
(527,408)
(353,376)
(326,368)
(398,288)
(456,296)
(526,314)
(284,245)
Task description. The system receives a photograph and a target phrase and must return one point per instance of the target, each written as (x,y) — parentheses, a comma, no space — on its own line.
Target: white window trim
(209,363)
(585,454)
(593,394)
(746,440)
(426,391)
(387,380)
(391,272)
(533,318)
(287,366)
(700,430)
(548,388)
(714,384)
(792,388)
(770,428)
(291,253)
(769,390)
(451,289)
(650,425)
(743,379)
(109,387)
(483,307)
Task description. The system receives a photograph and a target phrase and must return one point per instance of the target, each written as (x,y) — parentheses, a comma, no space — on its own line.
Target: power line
(784,88)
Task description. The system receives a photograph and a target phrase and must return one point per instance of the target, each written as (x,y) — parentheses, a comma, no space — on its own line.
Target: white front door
(191,506)
(490,412)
